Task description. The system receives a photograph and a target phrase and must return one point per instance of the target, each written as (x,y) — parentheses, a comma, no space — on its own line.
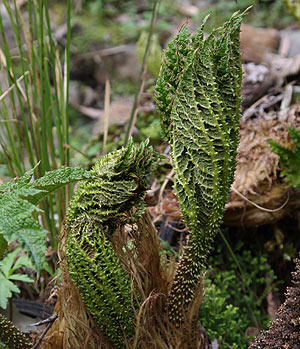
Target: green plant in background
(155,54)
(225,324)
(34,101)
(104,18)
(18,211)
(293,7)
(289,158)
(8,266)
(265,14)
(198,97)
(227,296)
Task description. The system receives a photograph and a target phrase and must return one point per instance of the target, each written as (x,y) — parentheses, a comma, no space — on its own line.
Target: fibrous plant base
(75,326)
(152,274)
(120,278)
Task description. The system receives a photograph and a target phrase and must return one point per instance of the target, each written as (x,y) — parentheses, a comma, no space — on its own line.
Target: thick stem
(11,336)
(186,282)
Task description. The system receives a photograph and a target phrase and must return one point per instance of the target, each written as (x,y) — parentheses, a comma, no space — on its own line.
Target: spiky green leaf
(198,96)
(100,207)
(8,265)
(17,206)
(6,289)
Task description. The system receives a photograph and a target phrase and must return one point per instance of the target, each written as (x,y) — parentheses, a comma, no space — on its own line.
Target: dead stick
(48,321)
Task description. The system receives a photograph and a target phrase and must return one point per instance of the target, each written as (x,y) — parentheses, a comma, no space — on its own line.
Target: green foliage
(198,97)
(221,320)
(227,303)
(155,54)
(104,15)
(18,199)
(168,80)
(8,266)
(289,158)
(11,336)
(294,8)
(101,280)
(264,14)
(101,207)
(33,110)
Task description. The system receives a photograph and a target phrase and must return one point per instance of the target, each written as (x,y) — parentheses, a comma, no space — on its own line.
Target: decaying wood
(256,42)
(257,174)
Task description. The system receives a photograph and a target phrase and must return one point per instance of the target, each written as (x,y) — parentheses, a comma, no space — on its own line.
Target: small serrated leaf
(21,277)
(7,262)
(54,180)
(6,289)
(23,261)
(17,205)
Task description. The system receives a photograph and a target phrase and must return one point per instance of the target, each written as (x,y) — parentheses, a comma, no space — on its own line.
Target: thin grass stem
(34,102)
(141,80)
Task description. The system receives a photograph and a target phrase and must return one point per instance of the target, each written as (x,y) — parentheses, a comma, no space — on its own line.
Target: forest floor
(260,231)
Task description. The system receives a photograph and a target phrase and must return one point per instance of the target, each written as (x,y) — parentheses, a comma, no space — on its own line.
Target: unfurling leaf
(198,97)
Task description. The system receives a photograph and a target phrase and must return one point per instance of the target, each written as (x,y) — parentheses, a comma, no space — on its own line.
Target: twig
(5,93)
(166,181)
(259,207)
(105,52)
(106,112)
(137,95)
(48,321)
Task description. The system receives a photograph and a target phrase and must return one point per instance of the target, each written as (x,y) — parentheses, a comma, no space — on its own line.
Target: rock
(256,82)
(289,43)
(120,62)
(119,113)
(80,94)
(125,63)
(256,42)
(188,10)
